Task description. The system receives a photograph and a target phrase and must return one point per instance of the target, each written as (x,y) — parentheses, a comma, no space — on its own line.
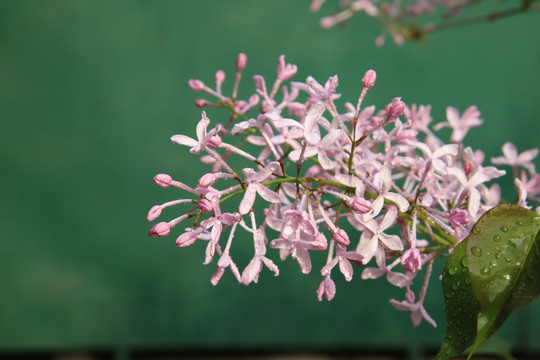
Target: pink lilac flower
(460,124)
(369,240)
(395,278)
(327,288)
(203,137)
(513,158)
(253,180)
(418,312)
(343,258)
(255,266)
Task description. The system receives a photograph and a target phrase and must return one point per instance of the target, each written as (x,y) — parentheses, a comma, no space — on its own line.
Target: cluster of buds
(378,191)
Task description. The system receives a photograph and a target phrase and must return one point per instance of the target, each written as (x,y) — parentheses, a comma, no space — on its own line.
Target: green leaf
(492,273)
(504,265)
(460,305)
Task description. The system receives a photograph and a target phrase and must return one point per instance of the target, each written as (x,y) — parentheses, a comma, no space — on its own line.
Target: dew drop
(508,259)
(476,251)
(453,270)
(464,262)
(455,286)
(497,238)
(476,230)
(519,222)
(490,213)
(485,271)
(504,228)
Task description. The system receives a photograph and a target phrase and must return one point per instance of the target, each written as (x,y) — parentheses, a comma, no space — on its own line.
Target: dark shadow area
(270,353)
(57,355)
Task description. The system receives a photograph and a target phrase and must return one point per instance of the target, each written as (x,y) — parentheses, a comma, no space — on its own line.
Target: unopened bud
(196,85)
(468,167)
(241,62)
(220,76)
(204,205)
(163,180)
(154,213)
(159,230)
(207,180)
(186,239)
(253,100)
(214,141)
(200,103)
(341,237)
(369,79)
(396,108)
(361,205)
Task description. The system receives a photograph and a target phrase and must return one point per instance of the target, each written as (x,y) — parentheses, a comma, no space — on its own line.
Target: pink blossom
(203,136)
(298,235)
(253,180)
(416,308)
(460,125)
(394,278)
(255,266)
(327,288)
(225,262)
(343,258)
(369,240)
(512,158)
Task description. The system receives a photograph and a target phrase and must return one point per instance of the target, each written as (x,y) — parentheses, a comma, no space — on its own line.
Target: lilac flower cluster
(400,18)
(374,189)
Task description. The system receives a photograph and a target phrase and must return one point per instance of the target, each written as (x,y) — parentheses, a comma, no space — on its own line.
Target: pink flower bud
(468,167)
(220,76)
(196,85)
(369,79)
(412,260)
(204,205)
(327,22)
(215,141)
(241,62)
(341,237)
(396,108)
(186,239)
(154,213)
(458,217)
(159,230)
(207,180)
(200,103)
(361,205)
(253,100)
(163,180)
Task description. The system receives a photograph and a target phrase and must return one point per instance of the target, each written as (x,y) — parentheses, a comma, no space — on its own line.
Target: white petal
(267,194)
(184,140)
(249,198)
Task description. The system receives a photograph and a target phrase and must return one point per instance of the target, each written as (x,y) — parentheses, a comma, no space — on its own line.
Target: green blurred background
(91,91)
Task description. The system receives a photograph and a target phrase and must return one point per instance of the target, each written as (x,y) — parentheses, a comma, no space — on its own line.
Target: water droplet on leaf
(476,230)
(504,228)
(476,251)
(497,238)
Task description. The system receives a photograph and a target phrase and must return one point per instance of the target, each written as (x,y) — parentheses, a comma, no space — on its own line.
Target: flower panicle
(375,191)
